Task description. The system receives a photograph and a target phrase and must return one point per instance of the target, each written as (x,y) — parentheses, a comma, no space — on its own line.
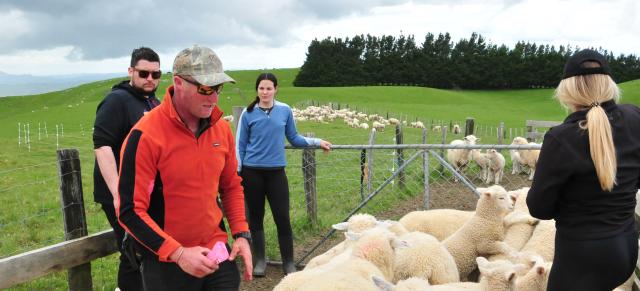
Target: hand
(325,145)
(241,248)
(194,261)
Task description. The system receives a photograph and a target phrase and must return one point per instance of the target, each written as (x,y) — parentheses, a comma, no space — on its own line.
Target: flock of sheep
(492,162)
(440,249)
(352,118)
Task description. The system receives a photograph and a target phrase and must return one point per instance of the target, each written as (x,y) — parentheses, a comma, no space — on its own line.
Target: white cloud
(98,36)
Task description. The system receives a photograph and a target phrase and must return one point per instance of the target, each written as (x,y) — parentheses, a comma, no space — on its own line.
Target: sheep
(484,232)
(542,240)
(437,128)
(356,224)
(378,125)
(364,125)
(527,157)
(496,276)
(536,278)
(394,121)
(459,158)
(456,129)
(372,254)
(482,160)
(441,223)
(519,223)
(516,163)
(228,118)
(427,258)
(496,166)
(411,284)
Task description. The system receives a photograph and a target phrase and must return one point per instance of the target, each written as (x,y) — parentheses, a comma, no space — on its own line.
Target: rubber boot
(257,248)
(286,252)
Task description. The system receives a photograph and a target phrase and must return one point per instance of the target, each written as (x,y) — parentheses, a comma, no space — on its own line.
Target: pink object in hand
(218,253)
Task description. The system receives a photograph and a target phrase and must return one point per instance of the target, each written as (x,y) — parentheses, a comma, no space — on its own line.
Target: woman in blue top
(261,132)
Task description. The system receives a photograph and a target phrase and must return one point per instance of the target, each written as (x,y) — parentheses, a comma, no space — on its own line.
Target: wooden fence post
(237,111)
(309,174)
(469,126)
(400,179)
(75,223)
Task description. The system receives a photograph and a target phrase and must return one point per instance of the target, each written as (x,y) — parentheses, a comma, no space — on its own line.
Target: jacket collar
(582,114)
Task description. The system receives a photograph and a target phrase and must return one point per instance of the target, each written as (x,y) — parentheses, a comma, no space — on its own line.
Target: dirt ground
(443,195)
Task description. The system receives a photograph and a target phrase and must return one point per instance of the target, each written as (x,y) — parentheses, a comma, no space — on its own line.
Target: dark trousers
(597,265)
(161,276)
(129,278)
(270,184)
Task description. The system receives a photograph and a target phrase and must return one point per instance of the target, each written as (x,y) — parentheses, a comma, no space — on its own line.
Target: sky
(97,36)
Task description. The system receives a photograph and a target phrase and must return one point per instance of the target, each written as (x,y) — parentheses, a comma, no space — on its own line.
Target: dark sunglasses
(145,74)
(203,89)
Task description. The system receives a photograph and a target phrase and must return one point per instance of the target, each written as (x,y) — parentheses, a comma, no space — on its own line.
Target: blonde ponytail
(603,153)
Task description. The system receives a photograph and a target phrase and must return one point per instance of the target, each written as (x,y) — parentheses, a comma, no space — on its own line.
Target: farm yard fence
(352,178)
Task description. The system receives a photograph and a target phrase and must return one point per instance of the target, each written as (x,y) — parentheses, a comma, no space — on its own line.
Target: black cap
(574,67)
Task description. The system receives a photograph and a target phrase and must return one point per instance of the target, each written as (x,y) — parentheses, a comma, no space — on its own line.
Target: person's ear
(130,72)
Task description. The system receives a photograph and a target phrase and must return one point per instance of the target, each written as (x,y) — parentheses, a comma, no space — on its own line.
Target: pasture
(30,214)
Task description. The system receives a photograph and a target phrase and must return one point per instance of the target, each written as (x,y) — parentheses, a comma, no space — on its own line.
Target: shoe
(257,249)
(286,252)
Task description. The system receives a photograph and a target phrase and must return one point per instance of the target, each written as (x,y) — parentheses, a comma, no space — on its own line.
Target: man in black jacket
(127,102)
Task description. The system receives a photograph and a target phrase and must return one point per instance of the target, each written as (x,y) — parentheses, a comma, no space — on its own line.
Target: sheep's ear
(352,235)
(400,244)
(486,194)
(510,276)
(513,195)
(381,283)
(341,226)
(482,262)
(540,270)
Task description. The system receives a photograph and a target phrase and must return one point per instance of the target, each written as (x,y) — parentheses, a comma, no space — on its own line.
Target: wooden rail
(31,265)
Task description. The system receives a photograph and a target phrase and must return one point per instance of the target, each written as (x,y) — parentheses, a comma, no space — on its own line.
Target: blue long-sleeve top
(260,137)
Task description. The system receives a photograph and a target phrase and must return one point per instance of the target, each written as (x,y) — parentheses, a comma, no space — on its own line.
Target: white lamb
(356,224)
(496,166)
(437,128)
(519,224)
(483,233)
(441,223)
(495,276)
(228,118)
(459,158)
(528,158)
(372,254)
(427,258)
(516,163)
(378,125)
(482,160)
(536,278)
(542,241)
(394,121)
(456,129)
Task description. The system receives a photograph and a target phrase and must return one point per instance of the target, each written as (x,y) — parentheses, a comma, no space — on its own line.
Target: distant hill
(15,85)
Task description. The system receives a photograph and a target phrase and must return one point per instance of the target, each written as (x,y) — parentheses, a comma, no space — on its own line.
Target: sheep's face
(519,140)
(471,139)
(498,275)
(499,196)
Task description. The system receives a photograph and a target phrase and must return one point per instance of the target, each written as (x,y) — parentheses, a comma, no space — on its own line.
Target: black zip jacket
(566,188)
(115,116)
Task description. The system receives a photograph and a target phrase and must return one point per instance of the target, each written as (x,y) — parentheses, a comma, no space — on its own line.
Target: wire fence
(345,178)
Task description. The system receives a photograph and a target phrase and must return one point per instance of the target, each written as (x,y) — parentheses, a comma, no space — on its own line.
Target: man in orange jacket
(173,163)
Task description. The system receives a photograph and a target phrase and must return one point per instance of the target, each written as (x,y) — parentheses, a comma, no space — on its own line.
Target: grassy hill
(29,200)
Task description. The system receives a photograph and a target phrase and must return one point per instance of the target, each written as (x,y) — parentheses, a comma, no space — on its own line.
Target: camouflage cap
(202,64)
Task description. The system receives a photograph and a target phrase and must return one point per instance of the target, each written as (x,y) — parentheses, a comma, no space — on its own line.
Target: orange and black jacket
(169,182)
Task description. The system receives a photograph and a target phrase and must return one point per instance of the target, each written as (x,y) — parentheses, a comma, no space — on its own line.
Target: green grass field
(30,214)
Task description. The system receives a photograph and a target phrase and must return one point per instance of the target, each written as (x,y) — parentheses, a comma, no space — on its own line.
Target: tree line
(438,62)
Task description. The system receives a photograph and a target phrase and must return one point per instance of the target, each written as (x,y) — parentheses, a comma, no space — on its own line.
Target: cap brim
(214,79)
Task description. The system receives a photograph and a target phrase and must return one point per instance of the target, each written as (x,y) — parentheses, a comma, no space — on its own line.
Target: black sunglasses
(145,74)
(203,89)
